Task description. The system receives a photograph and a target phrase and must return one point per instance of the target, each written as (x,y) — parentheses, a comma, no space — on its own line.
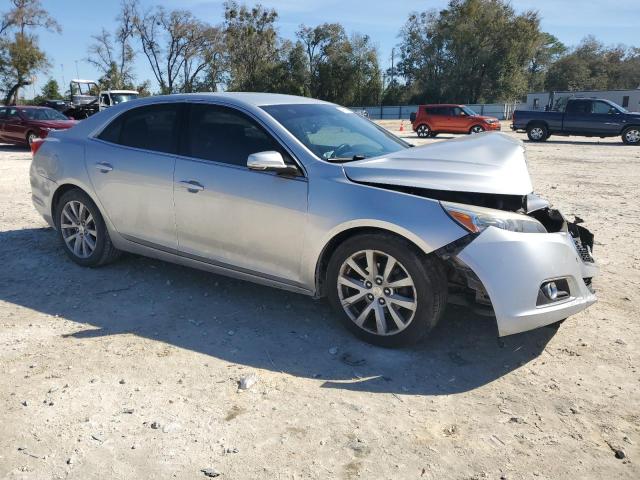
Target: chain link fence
(502,111)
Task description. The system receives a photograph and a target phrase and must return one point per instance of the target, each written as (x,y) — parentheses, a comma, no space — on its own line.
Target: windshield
(123,97)
(335,133)
(42,114)
(468,111)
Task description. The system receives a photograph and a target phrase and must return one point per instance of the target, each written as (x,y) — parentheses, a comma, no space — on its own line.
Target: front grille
(583,251)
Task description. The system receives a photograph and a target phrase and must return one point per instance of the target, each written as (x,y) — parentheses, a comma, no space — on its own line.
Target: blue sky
(570,20)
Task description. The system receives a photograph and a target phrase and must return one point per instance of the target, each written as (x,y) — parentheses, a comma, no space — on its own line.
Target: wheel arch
(66,187)
(535,122)
(330,247)
(627,127)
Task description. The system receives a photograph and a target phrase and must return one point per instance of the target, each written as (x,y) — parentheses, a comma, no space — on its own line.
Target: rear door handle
(192,186)
(104,167)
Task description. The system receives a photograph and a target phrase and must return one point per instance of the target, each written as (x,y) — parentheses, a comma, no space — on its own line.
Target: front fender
(337,205)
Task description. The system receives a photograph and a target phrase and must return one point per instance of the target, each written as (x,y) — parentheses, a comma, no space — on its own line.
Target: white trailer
(629,99)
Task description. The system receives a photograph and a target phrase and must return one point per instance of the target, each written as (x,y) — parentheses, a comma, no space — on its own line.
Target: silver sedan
(310,197)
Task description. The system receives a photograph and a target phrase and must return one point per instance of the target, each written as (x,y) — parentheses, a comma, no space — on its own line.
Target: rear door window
(153,127)
(579,107)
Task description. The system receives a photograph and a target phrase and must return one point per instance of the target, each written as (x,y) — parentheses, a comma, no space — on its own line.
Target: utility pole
(63,82)
(393,53)
(77,74)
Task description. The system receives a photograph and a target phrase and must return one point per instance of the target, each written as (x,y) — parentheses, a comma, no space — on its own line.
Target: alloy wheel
(537,133)
(78,229)
(477,129)
(633,135)
(423,131)
(377,293)
(31,137)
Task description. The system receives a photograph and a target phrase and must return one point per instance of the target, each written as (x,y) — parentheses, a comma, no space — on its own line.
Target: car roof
(253,99)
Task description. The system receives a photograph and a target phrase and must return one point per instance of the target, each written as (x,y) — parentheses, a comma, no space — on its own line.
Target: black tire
(476,129)
(104,251)
(537,132)
(423,130)
(631,136)
(429,280)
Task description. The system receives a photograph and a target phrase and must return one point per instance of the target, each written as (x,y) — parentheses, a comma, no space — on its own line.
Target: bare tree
(113,55)
(179,47)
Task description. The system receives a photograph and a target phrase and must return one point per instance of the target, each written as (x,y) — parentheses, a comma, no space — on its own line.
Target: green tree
(594,66)
(472,51)
(341,69)
(21,57)
(51,90)
(252,50)
(548,49)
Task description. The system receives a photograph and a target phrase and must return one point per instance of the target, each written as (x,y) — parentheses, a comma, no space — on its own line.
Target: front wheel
(384,290)
(82,230)
(537,133)
(31,137)
(476,129)
(631,136)
(423,131)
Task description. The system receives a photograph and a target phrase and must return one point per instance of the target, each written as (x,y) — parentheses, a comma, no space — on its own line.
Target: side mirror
(270,161)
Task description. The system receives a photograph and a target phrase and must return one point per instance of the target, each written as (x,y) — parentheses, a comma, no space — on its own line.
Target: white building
(629,99)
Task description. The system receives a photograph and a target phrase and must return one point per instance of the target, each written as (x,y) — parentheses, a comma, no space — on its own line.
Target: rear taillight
(35,145)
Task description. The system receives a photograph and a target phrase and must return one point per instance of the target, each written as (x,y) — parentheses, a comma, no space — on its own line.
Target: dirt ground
(131,371)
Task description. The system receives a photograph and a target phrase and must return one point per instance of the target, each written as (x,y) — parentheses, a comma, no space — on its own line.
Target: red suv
(430,120)
(21,125)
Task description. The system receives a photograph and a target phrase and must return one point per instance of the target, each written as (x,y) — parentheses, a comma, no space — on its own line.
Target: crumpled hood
(481,163)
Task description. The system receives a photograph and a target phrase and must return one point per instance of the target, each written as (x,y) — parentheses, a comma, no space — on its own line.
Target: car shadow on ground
(248,324)
(7,148)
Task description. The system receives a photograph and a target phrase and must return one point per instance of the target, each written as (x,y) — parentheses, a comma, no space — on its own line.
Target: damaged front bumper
(515,267)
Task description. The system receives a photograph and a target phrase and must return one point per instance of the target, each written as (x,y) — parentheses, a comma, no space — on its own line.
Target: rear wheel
(423,131)
(477,129)
(537,132)
(631,136)
(384,290)
(82,230)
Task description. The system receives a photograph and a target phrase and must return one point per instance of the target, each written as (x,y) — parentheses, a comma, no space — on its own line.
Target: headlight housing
(476,219)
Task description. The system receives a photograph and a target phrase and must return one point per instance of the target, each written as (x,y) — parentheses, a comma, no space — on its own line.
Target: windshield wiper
(347,159)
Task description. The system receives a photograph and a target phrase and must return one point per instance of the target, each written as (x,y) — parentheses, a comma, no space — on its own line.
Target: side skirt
(155,251)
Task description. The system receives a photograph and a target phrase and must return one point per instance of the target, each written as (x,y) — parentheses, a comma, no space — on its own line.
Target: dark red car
(21,125)
(431,120)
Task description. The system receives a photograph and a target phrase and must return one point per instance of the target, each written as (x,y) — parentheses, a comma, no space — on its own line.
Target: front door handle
(104,167)
(192,186)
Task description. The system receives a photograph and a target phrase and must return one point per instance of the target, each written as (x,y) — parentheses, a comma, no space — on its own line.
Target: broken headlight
(476,219)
